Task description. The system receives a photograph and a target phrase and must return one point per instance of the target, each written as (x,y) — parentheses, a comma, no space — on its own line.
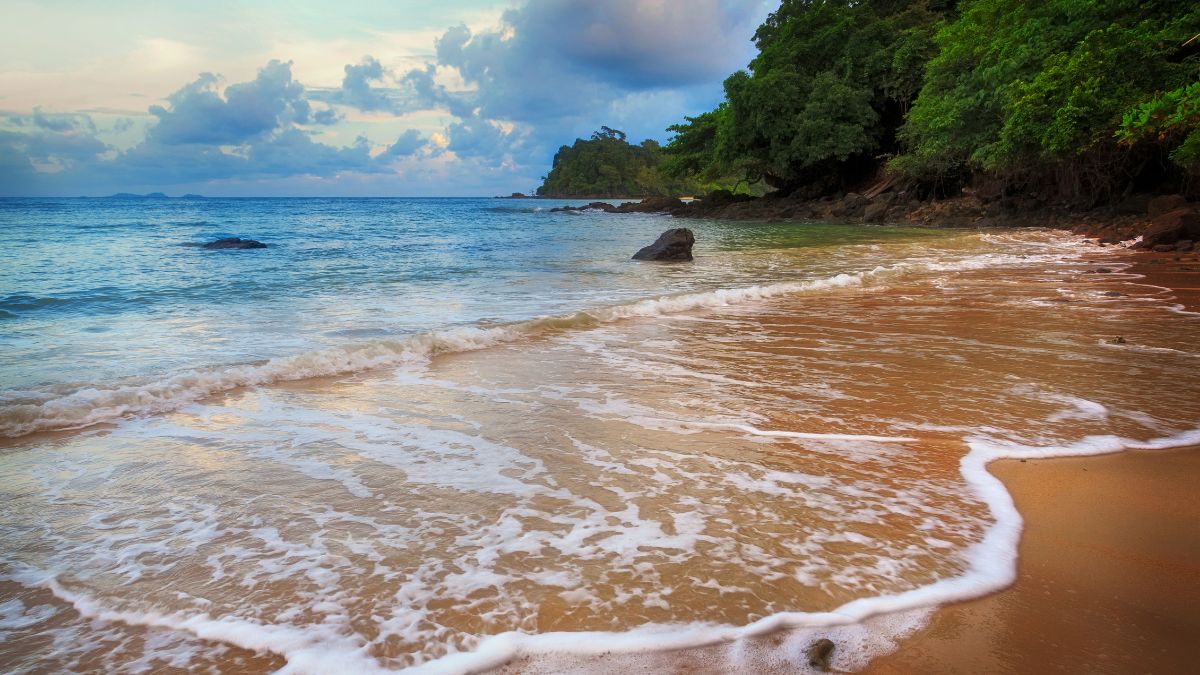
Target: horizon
(468,99)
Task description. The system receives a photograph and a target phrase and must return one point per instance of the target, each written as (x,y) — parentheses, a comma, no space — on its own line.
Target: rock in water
(675,244)
(233,243)
(819,653)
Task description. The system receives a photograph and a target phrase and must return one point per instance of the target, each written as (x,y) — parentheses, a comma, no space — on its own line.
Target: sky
(353,98)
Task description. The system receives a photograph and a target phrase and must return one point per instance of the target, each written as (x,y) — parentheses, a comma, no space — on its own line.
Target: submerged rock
(233,243)
(674,245)
(819,654)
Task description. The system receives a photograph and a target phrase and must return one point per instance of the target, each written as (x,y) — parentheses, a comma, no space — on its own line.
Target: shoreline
(904,617)
(1106,570)
(1118,524)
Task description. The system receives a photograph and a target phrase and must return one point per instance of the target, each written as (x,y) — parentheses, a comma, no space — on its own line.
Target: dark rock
(1133,205)
(1165,204)
(852,205)
(594,206)
(1113,294)
(1117,341)
(1183,245)
(724,197)
(876,211)
(233,243)
(651,205)
(819,654)
(674,244)
(1163,248)
(518,195)
(1170,227)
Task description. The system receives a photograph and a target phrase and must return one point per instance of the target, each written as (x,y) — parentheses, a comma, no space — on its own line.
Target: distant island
(151,195)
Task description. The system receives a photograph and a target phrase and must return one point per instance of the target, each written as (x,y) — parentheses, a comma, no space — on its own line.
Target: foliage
(1172,118)
(608,165)
(1059,95)
(1027,89)
(825,94)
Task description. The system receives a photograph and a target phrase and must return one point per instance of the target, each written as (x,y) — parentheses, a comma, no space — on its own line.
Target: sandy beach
(1108,560)
(1108,563)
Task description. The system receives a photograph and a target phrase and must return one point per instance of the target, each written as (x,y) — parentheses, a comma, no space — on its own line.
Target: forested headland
(1063,100)
(607,165)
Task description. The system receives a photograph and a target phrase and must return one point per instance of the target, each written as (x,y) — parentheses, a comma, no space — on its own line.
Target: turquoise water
(95,292)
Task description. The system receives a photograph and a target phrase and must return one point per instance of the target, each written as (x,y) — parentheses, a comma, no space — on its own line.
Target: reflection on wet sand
(662,478)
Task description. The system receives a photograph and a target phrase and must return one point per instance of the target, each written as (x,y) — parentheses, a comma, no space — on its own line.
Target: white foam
(863,628)
(100,403)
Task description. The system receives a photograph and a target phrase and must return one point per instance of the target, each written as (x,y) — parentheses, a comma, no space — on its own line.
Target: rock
(594,206)
(674,244)
(1163,248)
(1133,205)
(1117,341)
(1165,204)
(876,211)
(1183,245)
(518,195)
(851,206)
(651,205)
(717,197)
(1170,227)
(819,653)
(233,243)
(1113,294)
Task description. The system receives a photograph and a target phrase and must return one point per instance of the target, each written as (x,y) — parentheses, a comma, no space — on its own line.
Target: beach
(1106,569)
(1108,559)
(642,467)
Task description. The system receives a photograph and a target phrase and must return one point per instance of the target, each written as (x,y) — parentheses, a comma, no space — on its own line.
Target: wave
(98,403)
(863,628)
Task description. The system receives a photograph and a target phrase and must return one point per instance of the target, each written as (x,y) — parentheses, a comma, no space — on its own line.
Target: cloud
(408,143)
(480,104)
(63,122)
(554,68)
(199,113)
(356,86)
(248,130)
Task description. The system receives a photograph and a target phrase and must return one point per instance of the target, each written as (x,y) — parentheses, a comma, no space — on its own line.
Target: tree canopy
(1088,97)
(607,165)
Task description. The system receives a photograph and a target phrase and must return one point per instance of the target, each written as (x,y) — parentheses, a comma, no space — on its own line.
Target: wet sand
(1107,569)
(1107,575)
(1108,561)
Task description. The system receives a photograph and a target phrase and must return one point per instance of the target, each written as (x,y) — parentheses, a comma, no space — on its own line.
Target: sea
(454,435)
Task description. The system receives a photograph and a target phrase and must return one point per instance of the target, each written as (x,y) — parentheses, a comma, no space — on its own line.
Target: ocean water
(443,434)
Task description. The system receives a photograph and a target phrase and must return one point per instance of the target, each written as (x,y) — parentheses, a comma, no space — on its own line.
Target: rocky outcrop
(647,205)
(674,245)
(233,243)
(1165,204)
(1167,229)
(594,206)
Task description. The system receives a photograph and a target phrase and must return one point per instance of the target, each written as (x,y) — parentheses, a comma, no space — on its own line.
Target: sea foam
(863,628)
(101,402)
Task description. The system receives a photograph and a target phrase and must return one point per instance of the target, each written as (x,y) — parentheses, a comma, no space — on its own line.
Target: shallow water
(380,465)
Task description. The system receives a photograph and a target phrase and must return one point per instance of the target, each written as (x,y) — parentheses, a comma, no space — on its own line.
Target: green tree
(607,165)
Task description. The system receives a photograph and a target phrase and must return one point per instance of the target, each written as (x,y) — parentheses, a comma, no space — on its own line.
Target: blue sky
(401,98)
